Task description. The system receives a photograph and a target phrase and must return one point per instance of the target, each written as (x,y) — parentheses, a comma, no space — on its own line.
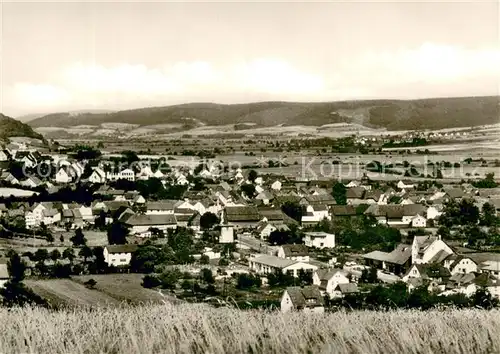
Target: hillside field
(202,329)
(110,290)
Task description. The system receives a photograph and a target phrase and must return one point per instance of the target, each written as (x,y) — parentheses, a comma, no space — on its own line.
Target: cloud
(429,70)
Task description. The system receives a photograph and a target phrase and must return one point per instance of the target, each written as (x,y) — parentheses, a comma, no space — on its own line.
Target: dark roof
(161,205)
(400,255)
(151,220)
(271,214)
(355,192)
(343,210)
(455,193)
(432,271)
(307,296)
(347,288)
(295,250)
(395,211)
(242,213)
(129,248)
(321,199)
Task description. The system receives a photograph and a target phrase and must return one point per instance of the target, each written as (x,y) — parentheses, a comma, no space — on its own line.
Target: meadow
(202,329)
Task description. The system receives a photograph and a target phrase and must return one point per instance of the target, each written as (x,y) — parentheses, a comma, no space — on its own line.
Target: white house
(434,212)
(119,255)
(265,229)
(402,185)
(427,249)
(30,220)
(98,176)
(298,253)
(266,264)
(319,239)
(127,174)
(315,214)
(141,225)
(418,221)
(462,265)
(306,299)
(62,176)
(276,186)
(51,216)
(328,279)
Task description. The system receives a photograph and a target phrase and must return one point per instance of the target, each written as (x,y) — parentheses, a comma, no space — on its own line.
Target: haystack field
(202,329)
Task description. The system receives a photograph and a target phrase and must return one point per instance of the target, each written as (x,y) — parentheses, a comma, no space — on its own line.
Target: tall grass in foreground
(197,328)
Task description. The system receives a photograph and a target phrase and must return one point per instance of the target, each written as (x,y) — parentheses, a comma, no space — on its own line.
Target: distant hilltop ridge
(9,127)
(433,113)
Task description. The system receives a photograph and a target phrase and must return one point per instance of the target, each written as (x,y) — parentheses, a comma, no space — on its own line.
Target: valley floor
(202,329)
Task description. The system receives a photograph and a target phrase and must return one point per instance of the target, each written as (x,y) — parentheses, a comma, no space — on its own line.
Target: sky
(120,55)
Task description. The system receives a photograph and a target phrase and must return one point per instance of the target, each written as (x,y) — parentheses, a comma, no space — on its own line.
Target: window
(123,260)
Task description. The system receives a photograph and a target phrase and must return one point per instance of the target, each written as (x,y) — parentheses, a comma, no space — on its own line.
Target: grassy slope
(65,292)
(10,127)
(200,329)
(393,114)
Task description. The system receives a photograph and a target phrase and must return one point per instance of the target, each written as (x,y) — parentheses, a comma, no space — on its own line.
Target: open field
(123,287)
(110,290)
(201,329)
(65,292)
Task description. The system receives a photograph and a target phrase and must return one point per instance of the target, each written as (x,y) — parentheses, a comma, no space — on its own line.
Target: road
(256,244)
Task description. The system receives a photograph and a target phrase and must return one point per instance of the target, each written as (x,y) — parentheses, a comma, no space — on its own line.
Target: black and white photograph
(250,177)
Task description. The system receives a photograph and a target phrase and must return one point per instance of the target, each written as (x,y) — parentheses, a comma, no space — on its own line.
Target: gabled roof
(128,248)
(241,213)
(295,250)
(273,261)
(162,205)
(400,255)
(307,296)
(430,271)
(343,210)
(271,214)
(151,220)
(347,288)
(395,211)
(355,192)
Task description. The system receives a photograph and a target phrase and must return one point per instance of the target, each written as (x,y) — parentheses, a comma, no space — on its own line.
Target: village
(204,232)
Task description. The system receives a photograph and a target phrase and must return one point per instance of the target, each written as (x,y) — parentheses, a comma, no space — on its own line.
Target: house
(319,239)
(397,261)
(306,298)
(418,221)
(434,212)
(264,229)
(294,252)
(98,176)
(315,214)
(343,289)
(429,272)
(396,214)
(355,195)
(328,279)
(458,264)
(141,225)
(161,207)
(126,174)
(402,185)
(51,216)
(30,220)
(72,218)
(62,176)
(266,264)
(4,155)
(429,248)
(119,255)
(9,177)
(241,216)
(265,197)
(4,274)
(275,186)
(31,182)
